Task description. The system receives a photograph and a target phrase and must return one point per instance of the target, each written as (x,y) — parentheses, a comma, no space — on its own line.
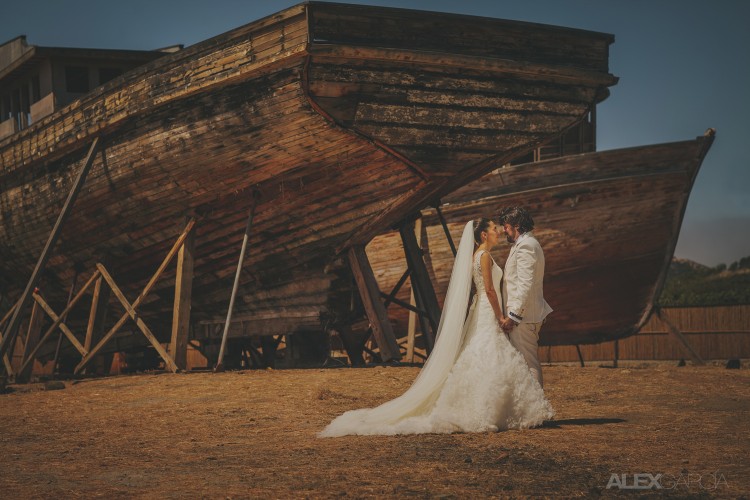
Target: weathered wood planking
(608,223)
(347,119)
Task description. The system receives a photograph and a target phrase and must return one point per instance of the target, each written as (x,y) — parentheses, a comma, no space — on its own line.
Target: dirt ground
(253,434)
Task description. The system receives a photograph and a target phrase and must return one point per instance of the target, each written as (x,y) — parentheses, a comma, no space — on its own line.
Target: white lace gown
(489,388)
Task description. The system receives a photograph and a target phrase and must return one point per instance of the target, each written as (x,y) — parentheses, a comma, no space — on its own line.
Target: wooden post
(424,293)
(677,335)
(376,313)
(617,352)
(182,302)
(95,326)
(95,303)
(32,339)
(412,331)
(580,356)
(11,330)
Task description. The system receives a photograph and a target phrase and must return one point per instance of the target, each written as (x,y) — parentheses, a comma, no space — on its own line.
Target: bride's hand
(507,325)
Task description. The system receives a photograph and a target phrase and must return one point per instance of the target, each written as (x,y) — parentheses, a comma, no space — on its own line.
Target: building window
(35,89)
(107,74)
(5,108)
(77,79)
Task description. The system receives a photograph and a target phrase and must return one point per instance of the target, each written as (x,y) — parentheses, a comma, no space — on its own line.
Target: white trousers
(525,338)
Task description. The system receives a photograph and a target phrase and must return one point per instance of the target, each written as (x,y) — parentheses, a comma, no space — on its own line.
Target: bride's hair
(480,225)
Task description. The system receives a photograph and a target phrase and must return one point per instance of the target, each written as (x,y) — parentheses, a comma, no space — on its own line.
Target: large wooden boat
(344,118)
(608,222)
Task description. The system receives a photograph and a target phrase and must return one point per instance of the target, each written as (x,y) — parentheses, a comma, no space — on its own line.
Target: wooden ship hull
(343,118)
(608,222)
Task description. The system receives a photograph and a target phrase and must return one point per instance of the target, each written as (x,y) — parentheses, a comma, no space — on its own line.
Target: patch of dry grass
(253,434)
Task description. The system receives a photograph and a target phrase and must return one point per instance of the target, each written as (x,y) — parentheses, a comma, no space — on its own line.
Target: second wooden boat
(608,222)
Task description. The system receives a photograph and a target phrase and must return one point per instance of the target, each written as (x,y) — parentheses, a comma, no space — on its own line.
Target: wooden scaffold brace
(101,276)
(423,306)
(12,328)
(130,308)
(677,335)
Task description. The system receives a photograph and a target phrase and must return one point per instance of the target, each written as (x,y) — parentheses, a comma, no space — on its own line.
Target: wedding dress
(474,379)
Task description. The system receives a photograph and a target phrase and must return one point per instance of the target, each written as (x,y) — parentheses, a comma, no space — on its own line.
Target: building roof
(16,55)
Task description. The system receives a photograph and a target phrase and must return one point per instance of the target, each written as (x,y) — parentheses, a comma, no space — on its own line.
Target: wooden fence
(720,332)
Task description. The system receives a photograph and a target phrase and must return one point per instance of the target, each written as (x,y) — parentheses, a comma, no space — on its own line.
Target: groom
(523,298)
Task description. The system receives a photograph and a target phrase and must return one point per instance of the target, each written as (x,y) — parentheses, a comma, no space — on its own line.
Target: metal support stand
(580,356)
(220,362)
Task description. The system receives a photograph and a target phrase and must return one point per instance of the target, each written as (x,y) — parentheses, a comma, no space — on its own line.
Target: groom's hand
(507,325)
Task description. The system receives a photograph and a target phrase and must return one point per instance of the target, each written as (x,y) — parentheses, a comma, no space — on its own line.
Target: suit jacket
(523,296)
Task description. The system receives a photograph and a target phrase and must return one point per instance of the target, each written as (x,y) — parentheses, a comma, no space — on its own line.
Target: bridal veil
(423,393)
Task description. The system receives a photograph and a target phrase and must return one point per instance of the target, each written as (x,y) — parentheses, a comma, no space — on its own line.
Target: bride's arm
(486,263)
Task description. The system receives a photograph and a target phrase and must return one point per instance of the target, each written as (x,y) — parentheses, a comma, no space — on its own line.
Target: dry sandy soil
(253,434)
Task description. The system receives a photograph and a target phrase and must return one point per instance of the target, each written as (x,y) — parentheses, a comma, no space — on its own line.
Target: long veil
(423,393)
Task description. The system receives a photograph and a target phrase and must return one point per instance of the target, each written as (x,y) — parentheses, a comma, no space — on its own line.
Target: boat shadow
(558,424)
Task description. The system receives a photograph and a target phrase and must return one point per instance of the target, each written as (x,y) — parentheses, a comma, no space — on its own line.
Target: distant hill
(692,284)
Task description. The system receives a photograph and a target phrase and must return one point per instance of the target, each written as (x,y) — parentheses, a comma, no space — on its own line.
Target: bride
(474,379)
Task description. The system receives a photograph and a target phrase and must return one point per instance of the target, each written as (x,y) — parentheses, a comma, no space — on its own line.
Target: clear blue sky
(684,66)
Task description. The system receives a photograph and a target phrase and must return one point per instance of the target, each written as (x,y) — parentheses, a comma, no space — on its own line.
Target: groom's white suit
(523,297)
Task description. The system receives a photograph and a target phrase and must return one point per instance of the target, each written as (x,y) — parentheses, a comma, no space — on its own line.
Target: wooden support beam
(679,337)
(8,315)
(6,360)
(95,299)
(389,298)
(6,363)
(376,313)
(97,317)
(32,339)
(411,334)
(58,321)
(182,302)
(617,352)
(146,290)
(138,321)
(11,330)
(445,228)
(580,356)
(378,357)
(405,305)
(424,293)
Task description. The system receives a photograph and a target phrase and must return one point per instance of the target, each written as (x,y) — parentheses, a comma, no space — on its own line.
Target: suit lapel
(515,247)
(512,251)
